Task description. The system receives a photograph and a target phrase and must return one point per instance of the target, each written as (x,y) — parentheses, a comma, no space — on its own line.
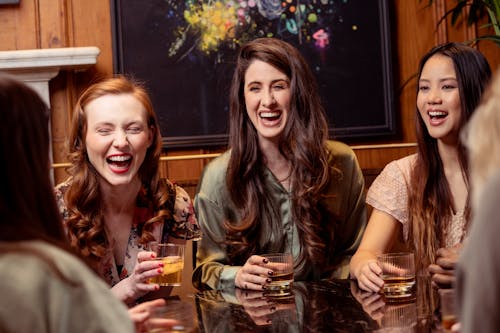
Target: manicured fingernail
(157,287)
(160,264)
(268,280)
(270,273)
(264,287)
(269,321)
(273,309)
(265,261)
(159,270)
(152,255)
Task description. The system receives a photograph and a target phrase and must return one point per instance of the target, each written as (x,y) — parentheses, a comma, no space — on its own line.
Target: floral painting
(233,22)
(185,50)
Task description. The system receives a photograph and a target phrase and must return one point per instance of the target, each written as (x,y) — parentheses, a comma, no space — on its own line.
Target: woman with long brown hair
(114,203)
(282,186)
(424,197)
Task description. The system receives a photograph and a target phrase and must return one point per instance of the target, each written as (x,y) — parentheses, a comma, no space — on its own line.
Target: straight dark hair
(28,209)
(430,199)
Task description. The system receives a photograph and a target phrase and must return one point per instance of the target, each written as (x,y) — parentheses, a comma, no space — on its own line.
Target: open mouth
(119,161)
(270,115)
(437,114)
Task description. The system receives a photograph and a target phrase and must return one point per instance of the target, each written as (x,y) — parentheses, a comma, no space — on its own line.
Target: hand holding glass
(282,266)
(398,273)
(172,256)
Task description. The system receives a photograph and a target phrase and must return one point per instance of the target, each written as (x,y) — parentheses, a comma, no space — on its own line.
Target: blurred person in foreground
(478,284)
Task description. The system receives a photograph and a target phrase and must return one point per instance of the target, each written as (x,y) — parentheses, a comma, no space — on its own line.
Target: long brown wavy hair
(430,198)
(28,209)
(85,224)
(303,143)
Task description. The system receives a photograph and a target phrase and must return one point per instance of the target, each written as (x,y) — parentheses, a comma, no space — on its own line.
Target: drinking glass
(281,264)
(398,273)
(172,256)
(448,301)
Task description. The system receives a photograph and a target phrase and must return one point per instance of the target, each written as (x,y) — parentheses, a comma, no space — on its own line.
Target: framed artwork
(184,51)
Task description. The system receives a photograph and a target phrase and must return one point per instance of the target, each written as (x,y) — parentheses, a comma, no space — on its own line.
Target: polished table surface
(326,306)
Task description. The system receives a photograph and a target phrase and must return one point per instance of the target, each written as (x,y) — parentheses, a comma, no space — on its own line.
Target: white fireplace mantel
(36,67)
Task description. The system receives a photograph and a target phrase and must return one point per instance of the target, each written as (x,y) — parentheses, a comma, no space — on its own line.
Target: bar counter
(325,306)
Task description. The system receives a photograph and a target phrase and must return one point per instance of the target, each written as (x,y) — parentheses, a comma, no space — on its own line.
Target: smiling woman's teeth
(119,161)
(437,114)
(269,114)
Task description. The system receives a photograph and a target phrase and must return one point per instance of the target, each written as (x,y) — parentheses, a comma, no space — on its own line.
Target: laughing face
(117,137)
(438,99)
(267,99)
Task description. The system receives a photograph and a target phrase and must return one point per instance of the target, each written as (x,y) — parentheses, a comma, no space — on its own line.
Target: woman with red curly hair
(114,203)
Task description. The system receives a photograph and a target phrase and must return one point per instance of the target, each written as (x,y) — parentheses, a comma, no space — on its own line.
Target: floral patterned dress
(183,225)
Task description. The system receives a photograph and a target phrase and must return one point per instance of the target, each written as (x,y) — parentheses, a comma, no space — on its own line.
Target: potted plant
(477,11)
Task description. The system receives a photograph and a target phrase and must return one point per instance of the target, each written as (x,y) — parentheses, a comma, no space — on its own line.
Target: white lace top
(389,193)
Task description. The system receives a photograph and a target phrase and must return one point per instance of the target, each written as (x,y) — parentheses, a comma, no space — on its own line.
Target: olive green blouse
(343,203)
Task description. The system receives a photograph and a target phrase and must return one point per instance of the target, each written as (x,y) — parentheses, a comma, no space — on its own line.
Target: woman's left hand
(443,271)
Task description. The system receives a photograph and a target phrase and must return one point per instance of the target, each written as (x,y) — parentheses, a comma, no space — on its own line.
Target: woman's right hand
(369,276)
(136,284)
(252,275)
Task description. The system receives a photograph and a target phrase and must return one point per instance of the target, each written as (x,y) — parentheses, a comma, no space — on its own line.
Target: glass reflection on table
(324,306)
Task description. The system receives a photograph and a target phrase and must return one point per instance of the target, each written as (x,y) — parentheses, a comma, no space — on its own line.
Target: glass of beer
(172,256)
(398,273)
(281,264)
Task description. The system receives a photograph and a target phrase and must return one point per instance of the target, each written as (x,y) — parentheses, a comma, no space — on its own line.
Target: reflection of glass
(237,310)
(398,273)
(172,256)
(399,318)
(416,313)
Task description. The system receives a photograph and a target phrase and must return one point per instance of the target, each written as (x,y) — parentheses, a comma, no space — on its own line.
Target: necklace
(285,182)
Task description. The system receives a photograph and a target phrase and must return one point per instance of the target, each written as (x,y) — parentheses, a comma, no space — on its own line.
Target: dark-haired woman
(282,186)
(425,196)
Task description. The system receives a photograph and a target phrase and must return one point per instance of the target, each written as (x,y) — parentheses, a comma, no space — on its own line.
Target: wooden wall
(35,24)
